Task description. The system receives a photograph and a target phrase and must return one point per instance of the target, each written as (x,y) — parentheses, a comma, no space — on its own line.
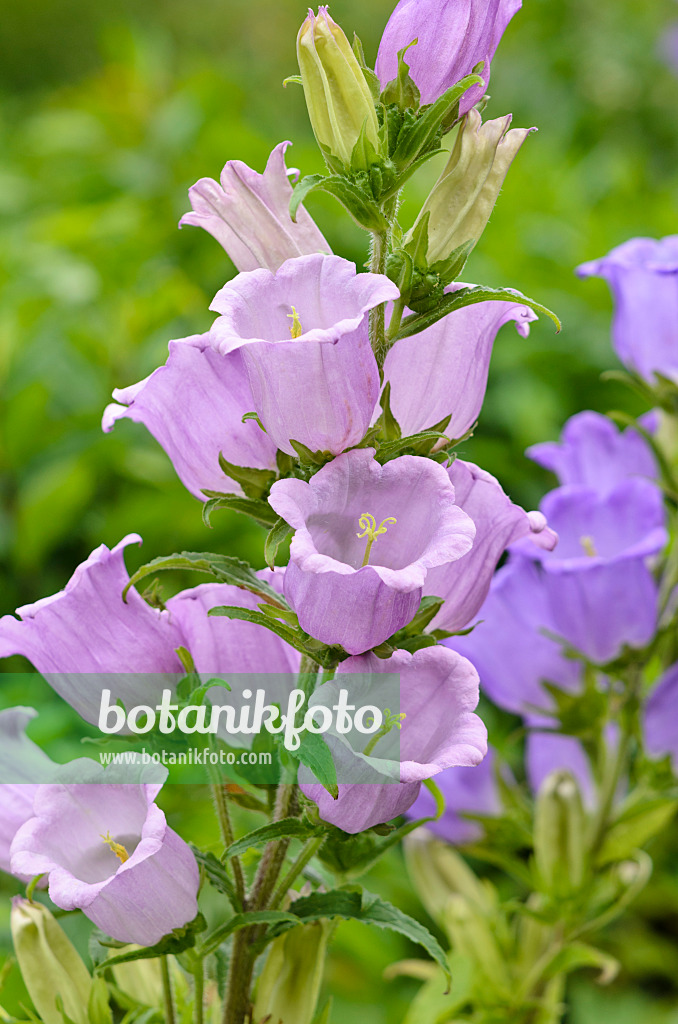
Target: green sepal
(287,828)
(359,203)
(253,416)
(277,536)
(364,156)
(404,176)
(350,856)
(422,135)
(370,76)
(449,270)
(223,568)
(307,458)
(415,444)
(388,424)
(467,297)
(254,482)
(177,941)
(258,510)
(417,246)
(403,91)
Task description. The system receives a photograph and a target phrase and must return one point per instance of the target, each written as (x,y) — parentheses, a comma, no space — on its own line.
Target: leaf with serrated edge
(224,568)
(467,297)
(287,828)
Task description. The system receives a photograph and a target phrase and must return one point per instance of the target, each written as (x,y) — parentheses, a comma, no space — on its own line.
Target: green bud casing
(289,984)
(49,963)
(560,831)
(338,97)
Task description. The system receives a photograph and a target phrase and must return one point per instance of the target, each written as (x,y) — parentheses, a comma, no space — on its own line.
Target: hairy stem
(224,816)
(307,853)
(168,1004)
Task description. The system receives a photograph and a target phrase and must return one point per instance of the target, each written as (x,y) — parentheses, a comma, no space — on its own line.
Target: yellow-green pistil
(296,330)
(588,546)
(368,525)
(117,848)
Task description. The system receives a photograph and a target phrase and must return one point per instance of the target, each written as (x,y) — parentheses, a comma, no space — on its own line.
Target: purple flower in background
(193,406)
(248,214)
(661,717)
(464,584)
(303,335)
(643,277)
(593,452)
(466,791)
(453,36)
(438,695)
(109,852)
(86,632)
(547,752)
(668,46)
(365,537)
(444,369)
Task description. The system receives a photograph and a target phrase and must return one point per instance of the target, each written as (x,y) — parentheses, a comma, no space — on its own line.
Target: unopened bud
(289,984)
(465,194)
(474,934)
(559,835)
(51,967)
(438,872)
(338,97)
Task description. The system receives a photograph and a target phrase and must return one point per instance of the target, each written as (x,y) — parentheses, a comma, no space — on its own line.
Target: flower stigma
(296,330)
(588,546)
(117,848)
(391,721)
(368,525)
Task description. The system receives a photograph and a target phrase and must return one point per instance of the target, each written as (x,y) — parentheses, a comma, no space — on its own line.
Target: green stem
(224,816)
(307,853)
(377,315)
(198,991)
(396,320)
(167,991)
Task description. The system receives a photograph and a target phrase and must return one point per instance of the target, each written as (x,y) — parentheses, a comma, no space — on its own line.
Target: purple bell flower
(249,215)
(453,37)
(661,717)
(438,695)
(593,452)
(466,791)
(193,406)
(303,335)
(443,370)
(464,584)
(109,852)
(353,582)
(643,277)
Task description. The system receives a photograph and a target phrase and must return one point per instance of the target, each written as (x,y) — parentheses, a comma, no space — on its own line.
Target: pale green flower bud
(49,963)
(338,97)
(438,872)
(560,829)
(289,984)
(473,934)
(464,196)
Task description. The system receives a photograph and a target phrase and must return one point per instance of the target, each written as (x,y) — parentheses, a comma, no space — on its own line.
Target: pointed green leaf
(467,297)
(449,270)
(254,482)
(256,509)
(422,134)
(287,828)
(359,204)
(244,920)
(314,753)
(223,568)
(179,940)
(277,536)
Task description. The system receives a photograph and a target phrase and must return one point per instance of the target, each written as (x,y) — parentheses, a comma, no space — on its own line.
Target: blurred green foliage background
(108,112)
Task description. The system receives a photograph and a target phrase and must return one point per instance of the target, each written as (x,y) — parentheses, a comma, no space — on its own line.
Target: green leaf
(277,536)
(254,482)
(635,827)
(417,246)
(577,955)
(402,91)
(414,141)
(359,204)
(326,656)
(416,444)
(287,828)
(179,940)
(256,509)
(449,270)
(467,297)
(245,920)
(390,428)
(351,905)
(217,875)
(316,755)
(224,568)
(370,76)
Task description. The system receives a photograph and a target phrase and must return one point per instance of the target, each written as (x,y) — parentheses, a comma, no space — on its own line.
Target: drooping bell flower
(365,537)
(436,729)
(338,97)
(453,37)
(248,214)
(466,791)
(464,196)
(86,638)
(661,717)
(464,584)
(194,407)
(643,277)
(109,852)
(303,336)
(443,370)
(593,452)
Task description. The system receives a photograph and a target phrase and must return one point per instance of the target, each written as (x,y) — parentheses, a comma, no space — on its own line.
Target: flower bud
(473,934)
(559,835)
(50,965)
(464,196)
(438,872)
(338,97)
(289,984)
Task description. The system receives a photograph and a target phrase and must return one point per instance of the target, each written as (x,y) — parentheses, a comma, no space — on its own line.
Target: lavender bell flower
(464,584)
(438,695)
(303,335)
(109,852)
(643,277)
(248,214)
(466,791)
(661,716)
(453,37)
(86,637)
(547,752)
(593,453)
(193,406)
(365,537)
(444,369)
